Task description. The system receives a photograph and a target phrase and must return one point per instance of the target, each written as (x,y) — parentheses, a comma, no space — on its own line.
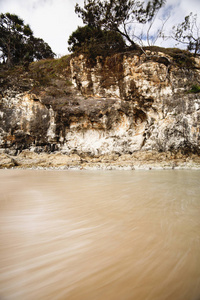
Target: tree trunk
(9,56)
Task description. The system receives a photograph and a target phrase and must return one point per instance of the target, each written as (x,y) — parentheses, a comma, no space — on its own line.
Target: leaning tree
(121,16)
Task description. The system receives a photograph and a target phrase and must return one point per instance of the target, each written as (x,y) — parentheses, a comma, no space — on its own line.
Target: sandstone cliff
(125,105)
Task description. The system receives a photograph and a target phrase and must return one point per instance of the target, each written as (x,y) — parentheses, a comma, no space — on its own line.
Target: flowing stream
(99,235)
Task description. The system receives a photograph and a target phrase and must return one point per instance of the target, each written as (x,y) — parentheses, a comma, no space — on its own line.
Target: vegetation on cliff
(119,16)
(41,74)
(18,44)
(93,42)
(122,104)
(131,20)
(187,33)
(111,27)
(54,74)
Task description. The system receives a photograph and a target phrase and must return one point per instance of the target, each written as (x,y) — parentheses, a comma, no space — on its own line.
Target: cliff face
(122,105)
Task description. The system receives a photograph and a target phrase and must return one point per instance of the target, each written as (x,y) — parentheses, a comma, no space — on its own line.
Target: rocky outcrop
(148,160)
(121,106)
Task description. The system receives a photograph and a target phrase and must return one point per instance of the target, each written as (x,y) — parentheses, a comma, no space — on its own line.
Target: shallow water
(100,235)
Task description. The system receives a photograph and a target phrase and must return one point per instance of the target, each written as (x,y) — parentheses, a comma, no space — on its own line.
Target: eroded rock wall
(126,104)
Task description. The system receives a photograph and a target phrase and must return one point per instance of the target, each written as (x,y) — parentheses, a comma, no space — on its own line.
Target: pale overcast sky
(55,20)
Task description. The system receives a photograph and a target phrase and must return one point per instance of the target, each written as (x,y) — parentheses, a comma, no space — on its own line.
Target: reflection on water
(99,235)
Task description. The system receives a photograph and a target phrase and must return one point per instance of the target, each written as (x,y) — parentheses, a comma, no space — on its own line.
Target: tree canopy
(17,43)
(95,42)
(188,33)
(120,16)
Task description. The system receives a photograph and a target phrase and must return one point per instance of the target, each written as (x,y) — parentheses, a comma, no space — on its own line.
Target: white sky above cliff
(55,20)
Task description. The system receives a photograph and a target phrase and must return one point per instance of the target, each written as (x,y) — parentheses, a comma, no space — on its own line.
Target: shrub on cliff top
(95,42)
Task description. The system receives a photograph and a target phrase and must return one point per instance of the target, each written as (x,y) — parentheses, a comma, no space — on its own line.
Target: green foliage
(47,70)
(182,58)
(38,49)
(119,15)
(53,74)
(195,89)
(17,43)
(94,42)
(187,33)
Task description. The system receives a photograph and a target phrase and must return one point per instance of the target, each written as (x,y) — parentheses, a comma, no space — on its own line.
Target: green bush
(195,89)
(95,42)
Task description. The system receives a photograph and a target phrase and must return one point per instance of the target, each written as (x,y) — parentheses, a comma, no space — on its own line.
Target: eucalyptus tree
(188,33)
(121,16)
